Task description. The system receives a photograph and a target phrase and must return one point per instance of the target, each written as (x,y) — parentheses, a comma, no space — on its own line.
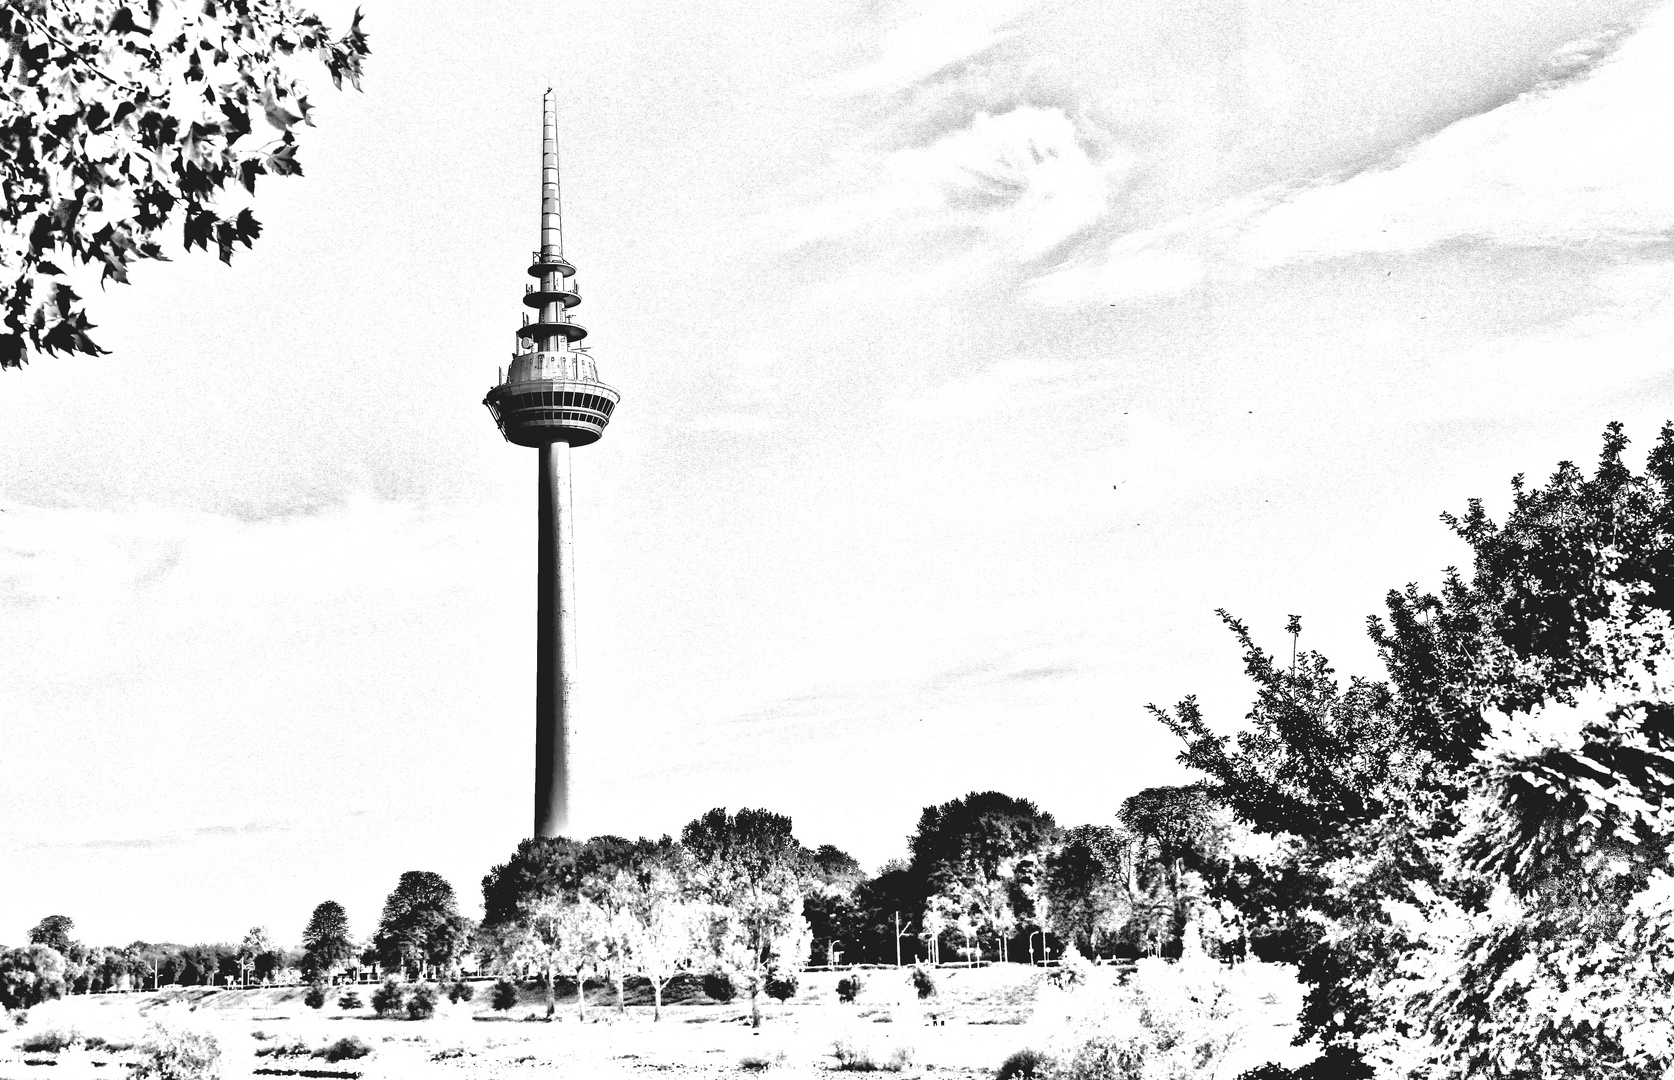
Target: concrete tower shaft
(551,399)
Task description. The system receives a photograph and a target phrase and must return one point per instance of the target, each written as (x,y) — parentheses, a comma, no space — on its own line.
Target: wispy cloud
(1582,159)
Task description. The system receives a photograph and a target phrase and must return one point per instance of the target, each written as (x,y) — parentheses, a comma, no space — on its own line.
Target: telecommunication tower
(551,399)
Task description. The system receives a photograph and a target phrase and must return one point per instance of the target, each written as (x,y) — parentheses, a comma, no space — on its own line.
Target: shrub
(849,988)
(854,1056)
(719,985)
(1270,1071)
(781,986)
(422,1005)
(350,1000)
(504,996)
(389,998)
(1072,971)
(1025,1065)
(282,1048)
(315,997)
(173,1052)
(923,982)
(347,1048)
(759,1063)
(50,1041)
(461,991)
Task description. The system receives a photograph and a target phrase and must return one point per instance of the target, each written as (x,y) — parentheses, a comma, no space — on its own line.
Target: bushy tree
(750,870)
(421,926)
(120,118)
(30,976)
(56,932)
(505,995)
(1084,886)
(326,944)
(1468,854)
(980,854)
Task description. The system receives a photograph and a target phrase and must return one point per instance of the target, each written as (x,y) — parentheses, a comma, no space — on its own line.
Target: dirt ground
(977,1018)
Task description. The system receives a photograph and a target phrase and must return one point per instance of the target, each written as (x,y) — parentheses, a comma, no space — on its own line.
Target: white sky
(971,355)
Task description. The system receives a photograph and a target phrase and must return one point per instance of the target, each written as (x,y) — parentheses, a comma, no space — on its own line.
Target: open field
(977,1018)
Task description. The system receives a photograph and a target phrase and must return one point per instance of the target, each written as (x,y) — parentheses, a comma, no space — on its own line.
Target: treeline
(737,895)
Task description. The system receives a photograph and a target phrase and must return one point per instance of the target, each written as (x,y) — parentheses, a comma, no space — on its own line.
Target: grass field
(976,1019)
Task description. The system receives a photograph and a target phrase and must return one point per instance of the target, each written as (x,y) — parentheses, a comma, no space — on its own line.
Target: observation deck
(552,396)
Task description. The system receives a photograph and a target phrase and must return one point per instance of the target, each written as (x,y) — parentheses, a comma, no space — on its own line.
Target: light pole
(898,938)
(1033,934)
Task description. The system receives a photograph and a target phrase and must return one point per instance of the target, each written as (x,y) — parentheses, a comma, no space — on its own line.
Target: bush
(759,1063)
(173,1052)
(281,1048)
(461,991)
(50,1041)
(719,985)
(781,986)
(505,995)
(1072,971)
(853,1056)
(350,1000)
(1270,1071)
(1025,1065)
(347,1048)
(389,998)
(422,1005)
(923,982)
(315,997)
(849,988)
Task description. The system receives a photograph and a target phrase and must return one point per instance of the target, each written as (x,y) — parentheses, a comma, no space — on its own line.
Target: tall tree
(119,118)
(530,910)
(256,944)
(665,926)
(1084,889)
(421,925)
(751,869)
(326,944)
(55,932)
(980,853)
(1405,841)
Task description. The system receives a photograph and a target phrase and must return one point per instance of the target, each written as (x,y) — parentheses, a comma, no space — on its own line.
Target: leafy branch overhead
(118,119)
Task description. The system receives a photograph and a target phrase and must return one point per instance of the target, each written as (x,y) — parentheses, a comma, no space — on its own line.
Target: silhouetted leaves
(92,121)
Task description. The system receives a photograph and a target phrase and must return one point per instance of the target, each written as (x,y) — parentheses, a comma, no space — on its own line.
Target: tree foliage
(326,943)
(30,976)
(751,871)
(55,932)
(1470,856)
(421,924)
(120,118)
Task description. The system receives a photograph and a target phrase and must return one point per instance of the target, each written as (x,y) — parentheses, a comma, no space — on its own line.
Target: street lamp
(1033,934)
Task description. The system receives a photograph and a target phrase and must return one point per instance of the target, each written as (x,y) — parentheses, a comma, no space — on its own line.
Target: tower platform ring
(568,297)
(543,411)
(542,267)
(569,331)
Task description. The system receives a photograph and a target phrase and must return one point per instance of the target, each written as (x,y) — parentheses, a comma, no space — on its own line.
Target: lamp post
(1033,934)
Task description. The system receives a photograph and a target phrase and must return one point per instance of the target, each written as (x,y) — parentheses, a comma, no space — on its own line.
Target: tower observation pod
(552,399)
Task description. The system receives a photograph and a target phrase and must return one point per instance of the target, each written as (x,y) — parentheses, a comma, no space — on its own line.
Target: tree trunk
(551,991)
(581,993)
(656,999)
(621,1002)
(755,1004)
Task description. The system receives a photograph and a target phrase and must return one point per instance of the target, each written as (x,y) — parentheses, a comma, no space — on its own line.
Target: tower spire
(552,210)
(551,399)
